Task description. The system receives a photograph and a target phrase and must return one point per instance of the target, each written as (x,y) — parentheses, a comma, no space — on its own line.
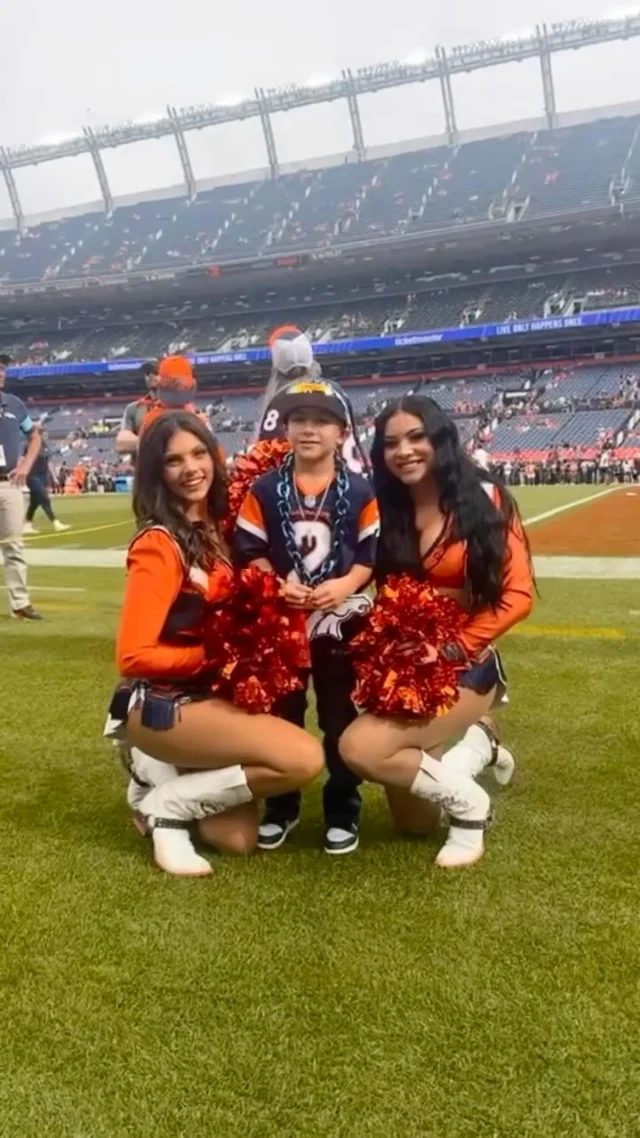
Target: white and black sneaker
(342,839)
(273,832)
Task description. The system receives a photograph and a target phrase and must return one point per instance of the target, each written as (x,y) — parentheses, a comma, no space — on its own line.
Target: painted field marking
(71,533)
(70,606)
(48,589)
(63,557)
(588,568)
(569,632)
(29,539)
(570,506)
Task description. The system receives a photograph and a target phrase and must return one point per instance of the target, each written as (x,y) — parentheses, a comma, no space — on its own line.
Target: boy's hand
(297,595)
(330,594)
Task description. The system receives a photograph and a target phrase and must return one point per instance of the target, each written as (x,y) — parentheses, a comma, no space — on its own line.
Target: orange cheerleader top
(445,567)
(161,634)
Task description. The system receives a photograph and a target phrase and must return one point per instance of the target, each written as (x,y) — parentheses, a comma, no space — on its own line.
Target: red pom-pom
(263,457)
(257,644)
(399,670)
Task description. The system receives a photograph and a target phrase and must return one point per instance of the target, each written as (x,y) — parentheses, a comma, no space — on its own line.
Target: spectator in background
(481,458)
(38,482)
(15,425)
(175,390)
(134,413)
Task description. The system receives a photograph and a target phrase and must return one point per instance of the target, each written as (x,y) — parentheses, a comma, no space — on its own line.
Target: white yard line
(588,568)
(66,534)
(569,568)
(48,589)
(570,505)
(62,558)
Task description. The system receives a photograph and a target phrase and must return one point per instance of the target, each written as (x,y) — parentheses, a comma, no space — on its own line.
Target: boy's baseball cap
(312,395)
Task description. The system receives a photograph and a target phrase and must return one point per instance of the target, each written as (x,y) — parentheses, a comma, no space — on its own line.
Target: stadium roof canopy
(542,42)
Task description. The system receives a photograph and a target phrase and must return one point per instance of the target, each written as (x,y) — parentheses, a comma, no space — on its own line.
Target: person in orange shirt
(445,521)
(201,758)
(175,390)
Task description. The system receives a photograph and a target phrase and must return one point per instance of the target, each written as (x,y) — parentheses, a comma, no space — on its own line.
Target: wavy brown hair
(154,504)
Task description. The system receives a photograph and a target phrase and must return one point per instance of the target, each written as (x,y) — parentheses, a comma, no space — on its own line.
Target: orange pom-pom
(399,670)
(257,644)
(266,455)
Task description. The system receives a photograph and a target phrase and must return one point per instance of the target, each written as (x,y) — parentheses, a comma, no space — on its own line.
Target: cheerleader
(315,523)
(445,521)
(178,573)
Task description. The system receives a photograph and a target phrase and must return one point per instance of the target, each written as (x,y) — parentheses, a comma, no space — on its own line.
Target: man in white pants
(15,425)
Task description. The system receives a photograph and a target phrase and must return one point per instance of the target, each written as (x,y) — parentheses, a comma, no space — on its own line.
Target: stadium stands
(544,173)
(86,429)
(529,433)
(210,327)
(572,168)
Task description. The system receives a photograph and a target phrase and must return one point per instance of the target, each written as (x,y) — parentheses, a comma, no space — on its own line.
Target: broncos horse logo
(331,623)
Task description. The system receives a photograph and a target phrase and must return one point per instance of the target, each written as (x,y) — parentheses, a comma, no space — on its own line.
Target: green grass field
(298,995)
(105,522)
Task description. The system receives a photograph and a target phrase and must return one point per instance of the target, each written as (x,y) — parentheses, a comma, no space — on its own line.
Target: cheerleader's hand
(330,594)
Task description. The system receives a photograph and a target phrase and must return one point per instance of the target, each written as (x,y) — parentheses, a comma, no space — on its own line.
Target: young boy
(292,359)
(315,523)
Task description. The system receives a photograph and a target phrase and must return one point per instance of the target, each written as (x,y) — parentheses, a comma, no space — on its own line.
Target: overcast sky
(69,63)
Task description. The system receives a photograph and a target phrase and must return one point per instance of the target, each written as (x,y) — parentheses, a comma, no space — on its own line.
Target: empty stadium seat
(411,192)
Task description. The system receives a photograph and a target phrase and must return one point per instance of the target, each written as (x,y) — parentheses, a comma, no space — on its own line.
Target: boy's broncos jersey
(259,527)
(272,427)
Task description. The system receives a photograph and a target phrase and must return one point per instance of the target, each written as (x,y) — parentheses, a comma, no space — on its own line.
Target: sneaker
(273,832)
(341,839)
(28,613)
(60,527)
(29,528)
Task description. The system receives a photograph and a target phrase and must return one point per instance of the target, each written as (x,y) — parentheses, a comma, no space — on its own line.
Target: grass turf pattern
(295,994)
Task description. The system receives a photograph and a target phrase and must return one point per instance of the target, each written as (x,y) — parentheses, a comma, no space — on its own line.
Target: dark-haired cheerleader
(201,759)
(448,523)
(315,523)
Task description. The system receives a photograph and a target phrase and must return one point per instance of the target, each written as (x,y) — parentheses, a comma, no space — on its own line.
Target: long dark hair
(471,514)
(153,504)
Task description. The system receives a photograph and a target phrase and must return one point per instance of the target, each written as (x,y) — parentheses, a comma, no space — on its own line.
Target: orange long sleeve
(155,576)
(517,599)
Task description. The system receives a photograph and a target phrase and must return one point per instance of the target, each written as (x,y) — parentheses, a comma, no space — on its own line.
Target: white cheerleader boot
(467,805)
(478,749)
(170,808)
(145,773)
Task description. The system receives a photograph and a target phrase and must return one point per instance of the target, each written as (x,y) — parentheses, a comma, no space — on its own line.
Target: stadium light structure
(541,43)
